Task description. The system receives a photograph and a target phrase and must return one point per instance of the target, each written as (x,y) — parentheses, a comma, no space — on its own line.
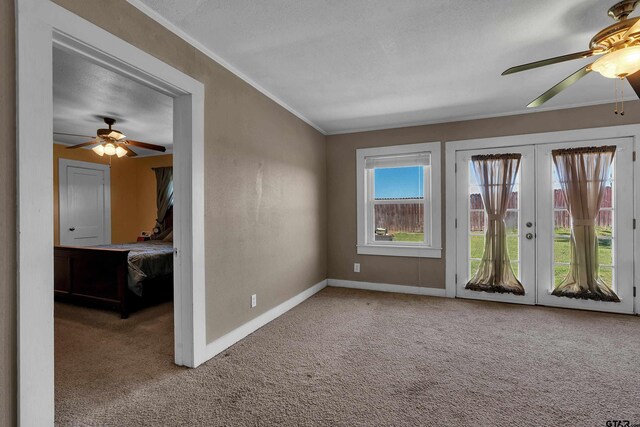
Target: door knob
(72,229)
(529,236)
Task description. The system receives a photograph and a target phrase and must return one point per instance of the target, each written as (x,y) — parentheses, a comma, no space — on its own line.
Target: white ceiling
(84,93)
(367,64)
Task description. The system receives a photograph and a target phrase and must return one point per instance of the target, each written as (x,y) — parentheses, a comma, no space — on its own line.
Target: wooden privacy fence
(400,217)
(561,216)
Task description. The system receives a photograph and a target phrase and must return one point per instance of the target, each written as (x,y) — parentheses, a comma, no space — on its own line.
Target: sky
(392,183)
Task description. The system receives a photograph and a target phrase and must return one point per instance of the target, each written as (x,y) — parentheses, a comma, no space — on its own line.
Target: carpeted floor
(357,358)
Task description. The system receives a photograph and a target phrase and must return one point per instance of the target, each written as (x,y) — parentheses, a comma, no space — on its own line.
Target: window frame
(366,245)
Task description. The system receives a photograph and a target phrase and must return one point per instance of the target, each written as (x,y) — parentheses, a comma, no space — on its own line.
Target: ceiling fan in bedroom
(618,43)
(112,142)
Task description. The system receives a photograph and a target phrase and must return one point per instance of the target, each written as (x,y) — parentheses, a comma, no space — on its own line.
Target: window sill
(403,251)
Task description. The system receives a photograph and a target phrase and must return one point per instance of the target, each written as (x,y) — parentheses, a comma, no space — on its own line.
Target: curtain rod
(585,150)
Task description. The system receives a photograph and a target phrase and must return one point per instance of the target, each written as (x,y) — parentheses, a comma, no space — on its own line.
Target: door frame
(41,25)
(451,148)
(62,195)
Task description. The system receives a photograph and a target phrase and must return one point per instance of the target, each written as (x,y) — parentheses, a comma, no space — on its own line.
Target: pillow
(168,237)
(163,234)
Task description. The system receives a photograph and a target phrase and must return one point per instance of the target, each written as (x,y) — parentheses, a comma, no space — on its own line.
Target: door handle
(529,236)
(72,229)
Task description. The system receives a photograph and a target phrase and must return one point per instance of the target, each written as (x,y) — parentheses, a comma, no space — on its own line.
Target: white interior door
(614,227)
(84,204)
(472,222)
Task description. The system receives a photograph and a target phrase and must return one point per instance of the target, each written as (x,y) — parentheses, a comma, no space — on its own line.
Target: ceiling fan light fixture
(120,152)
(618,64)
(99,150)
(109,149)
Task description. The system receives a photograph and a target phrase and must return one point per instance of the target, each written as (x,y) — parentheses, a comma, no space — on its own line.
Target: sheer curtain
(583,174)
(164,194)
(496,176)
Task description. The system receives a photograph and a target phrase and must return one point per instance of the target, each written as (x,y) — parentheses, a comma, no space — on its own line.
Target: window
(399,200)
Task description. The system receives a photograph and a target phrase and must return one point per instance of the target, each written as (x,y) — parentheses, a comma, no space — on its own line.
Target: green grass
(562,253)
(602,231)
(477,246)
(408,237)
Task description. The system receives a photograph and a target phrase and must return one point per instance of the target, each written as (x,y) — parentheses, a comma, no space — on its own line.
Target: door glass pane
(604,223)
(561,223)
(562,250)
(558,198)
(605,253)
(606,273)
(511,221)
(474,264)
(477,246)
(513,246)
(514,201)
(560,271)
(604,231)
(478,224)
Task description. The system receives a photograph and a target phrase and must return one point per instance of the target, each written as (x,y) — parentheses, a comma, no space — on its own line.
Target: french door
(539,230)
(473,224)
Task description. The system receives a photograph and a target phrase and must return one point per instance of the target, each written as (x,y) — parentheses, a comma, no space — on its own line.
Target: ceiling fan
(113,142)
(620,45)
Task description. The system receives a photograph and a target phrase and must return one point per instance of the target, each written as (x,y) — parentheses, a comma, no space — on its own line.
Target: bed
(120,277)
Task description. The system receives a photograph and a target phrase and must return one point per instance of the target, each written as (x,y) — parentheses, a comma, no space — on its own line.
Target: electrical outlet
(254,300)
(356,267)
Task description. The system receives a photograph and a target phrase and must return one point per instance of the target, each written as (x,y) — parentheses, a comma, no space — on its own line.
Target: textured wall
(133,191)
(341,173)
(7,215)
(265,186)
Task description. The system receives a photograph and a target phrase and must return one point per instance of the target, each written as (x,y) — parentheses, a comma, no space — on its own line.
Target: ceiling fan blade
(73,134)
(84,144)
(560,86)
(635,28)
(634,81)
(130,152)
(545,62)
(146,145)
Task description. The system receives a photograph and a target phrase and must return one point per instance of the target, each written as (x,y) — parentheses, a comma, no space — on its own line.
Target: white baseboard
(384,287)
(226,341)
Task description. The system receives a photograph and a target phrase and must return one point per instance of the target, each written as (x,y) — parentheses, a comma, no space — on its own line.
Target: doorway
(42,26)
(524,221)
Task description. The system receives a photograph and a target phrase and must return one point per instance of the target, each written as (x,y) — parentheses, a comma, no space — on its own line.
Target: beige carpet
(357,358)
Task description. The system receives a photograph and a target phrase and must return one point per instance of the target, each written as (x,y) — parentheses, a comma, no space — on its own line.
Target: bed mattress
(147,260)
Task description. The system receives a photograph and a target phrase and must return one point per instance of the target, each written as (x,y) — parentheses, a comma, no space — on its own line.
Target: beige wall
(268,181)
(265,186)
(7,216)
(341,177)
(133,191)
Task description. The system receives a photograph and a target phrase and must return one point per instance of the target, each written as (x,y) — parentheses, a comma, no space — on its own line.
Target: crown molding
(628,98)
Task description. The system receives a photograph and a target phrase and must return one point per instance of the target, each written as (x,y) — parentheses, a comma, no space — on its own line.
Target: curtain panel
(583,174)
(496,175)
(164,194)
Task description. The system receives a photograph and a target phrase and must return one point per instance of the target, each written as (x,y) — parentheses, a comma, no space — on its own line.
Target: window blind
(398,161)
